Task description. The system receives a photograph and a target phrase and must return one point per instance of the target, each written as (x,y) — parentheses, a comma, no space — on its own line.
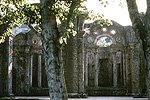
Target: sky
(115,12)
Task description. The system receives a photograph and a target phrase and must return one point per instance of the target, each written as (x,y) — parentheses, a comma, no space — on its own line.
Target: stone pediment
(28,41)
(94,32)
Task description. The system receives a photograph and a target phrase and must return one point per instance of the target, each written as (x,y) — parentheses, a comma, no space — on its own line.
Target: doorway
(105,76)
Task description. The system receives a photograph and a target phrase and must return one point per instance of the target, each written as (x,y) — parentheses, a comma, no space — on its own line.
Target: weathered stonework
(119,64)
(28,65)
(89,68)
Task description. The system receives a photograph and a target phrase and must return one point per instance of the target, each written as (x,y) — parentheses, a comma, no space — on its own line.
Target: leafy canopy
(16,11)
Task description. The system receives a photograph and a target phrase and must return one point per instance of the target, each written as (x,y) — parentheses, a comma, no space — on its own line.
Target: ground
(89,98)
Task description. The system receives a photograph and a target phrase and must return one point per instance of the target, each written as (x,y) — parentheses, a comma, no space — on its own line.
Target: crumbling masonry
(115,69)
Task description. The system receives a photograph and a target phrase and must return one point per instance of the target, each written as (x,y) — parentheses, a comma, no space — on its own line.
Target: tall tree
(51,48)
(45,14)
(49,35)
(141,26)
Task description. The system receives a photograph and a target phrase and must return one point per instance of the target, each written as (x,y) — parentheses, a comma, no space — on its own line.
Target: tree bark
(148,7)
(141,26)
(147,55)
(51,48)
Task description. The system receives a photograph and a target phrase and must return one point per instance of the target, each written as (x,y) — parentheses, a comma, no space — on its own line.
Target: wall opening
(104,42)
(91,75)
(105,75)
(35,70)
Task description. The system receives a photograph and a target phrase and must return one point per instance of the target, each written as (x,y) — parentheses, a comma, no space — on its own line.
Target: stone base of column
(77,95)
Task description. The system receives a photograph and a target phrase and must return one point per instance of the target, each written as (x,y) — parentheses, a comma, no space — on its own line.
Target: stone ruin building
(99,60)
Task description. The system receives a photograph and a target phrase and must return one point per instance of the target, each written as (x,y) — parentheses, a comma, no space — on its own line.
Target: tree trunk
(147,55)
(52,54)
(147,65)
(141,26)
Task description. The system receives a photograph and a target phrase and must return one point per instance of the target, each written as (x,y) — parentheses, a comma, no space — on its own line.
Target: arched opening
(104,41)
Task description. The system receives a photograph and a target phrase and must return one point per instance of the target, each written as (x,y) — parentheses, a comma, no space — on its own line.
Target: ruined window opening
(96,32)
(90,39)
(34,42)
(113,32)
(35,71)
(104,29)
(104,42)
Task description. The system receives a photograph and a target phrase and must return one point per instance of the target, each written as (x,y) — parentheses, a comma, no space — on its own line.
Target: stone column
(115,80)
(71,66)
(124,69)
(128,71)
(86,70)
(75,84)
(135,69)
(31,69)
(81,62)
(10,65)
(96,69)
(10,78)
(75,66)
(39,71)
(27,71)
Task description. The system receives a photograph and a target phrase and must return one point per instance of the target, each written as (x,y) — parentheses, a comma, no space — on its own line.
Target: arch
(104,35)
(104,42)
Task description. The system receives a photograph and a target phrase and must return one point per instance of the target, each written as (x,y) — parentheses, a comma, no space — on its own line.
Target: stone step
(35,92)
(39,91)
(106,91)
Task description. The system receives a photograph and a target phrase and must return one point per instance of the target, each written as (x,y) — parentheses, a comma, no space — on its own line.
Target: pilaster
(10,61)
(96,68)
(115,80)
(39,71)
(81,61)
(135,68)
(31,70)
(86,70)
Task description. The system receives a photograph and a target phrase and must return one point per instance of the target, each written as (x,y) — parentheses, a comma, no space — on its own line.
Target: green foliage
(104,2)
(17,11)
(27,13)
(107,2)
(80,12)
(103,22)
